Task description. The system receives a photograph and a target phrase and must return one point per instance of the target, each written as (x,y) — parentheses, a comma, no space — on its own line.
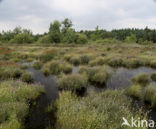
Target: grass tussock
(73,83)
(96,111)
(96,75)
(37,65)
(135,91)
(153,76)
(150,95)
(27,77)
(142,79)
(14,96)
(56,67)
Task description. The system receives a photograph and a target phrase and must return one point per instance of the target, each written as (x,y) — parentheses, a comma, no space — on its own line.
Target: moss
(73,82)
(135,91)
(96,111)
(27,77)
(142,79)
(153,76)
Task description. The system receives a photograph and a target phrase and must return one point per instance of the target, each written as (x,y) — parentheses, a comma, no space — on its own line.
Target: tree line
(62,32)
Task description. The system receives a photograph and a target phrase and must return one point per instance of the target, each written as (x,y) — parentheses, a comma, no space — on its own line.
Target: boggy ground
(96,64)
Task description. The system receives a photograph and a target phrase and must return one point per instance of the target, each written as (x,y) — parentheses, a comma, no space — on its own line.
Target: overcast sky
(85,14)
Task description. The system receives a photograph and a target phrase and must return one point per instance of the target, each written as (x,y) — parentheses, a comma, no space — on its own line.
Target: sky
(85,14)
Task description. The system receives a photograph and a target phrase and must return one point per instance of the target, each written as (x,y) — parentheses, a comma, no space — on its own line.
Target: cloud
(85,14)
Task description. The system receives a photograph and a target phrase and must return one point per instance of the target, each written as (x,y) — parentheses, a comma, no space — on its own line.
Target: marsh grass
(57,67)
(27,77)
(142,78)
(150,95)
(135,91)
(38,65)
(96,111)
(14,97)
(153,76)
(74,83)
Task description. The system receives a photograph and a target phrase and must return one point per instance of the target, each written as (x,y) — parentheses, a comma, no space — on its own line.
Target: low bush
(10,72)
(135,91)
(153,76)
(142,79)
(38,65)
(27,77)
(96,111)
(14,106)
(150,95)
(73,83)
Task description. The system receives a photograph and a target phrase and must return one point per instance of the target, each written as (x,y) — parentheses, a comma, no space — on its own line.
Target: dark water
(38,117)
(120,79)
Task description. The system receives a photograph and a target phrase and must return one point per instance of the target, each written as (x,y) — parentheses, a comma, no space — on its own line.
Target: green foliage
(131,39)
(22,38)
(135,91)
(153,76)
(75,60)
(13,102)
(81,39)
(69,36)
(45,39)
(97,61)
(47,57)
(54,32)
(96,111)
(73,83)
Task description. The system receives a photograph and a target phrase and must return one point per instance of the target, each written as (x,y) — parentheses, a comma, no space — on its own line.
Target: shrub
(10,72)
(81,38)
(45,39)
(22,38)
(142,78)
(135,91)
(96,111)
(153,76)
(75,60)
(27,77)
(73,82)
(14,106)
(38,65)
(150,95)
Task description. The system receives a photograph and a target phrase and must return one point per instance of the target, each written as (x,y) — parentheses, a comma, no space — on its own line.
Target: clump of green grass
(27,77)
(73,83)
(56,67)
(97,61)
(135,91)
(153,76)
(96,75)
(10,72)
(85,59)
(133,63)
(116,62)
(38,65)
(14,106)
(96,111)
(150,95)
(142,79)
(75,60)
(153,64)
(67,57)
(47,57)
